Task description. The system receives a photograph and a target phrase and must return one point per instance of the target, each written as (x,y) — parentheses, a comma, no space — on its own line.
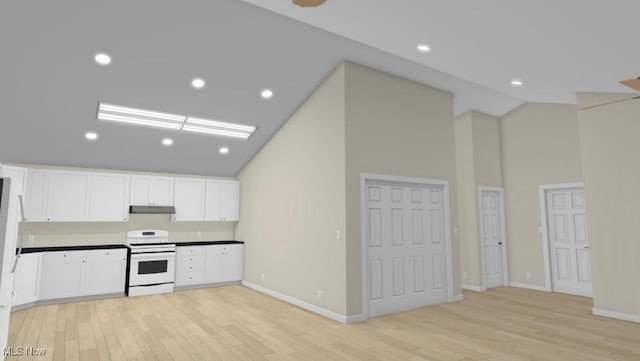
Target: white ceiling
(49,86)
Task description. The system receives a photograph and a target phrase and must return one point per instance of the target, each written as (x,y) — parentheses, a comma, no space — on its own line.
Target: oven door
(152,268)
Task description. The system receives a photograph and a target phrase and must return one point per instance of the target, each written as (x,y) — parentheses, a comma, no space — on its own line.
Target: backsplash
(46,234)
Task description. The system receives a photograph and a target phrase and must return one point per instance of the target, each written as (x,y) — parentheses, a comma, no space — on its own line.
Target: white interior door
(405,246)
(492,238)
(570,257)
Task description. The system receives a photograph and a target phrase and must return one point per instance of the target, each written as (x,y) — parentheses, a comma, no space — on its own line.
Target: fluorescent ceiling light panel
(127,115)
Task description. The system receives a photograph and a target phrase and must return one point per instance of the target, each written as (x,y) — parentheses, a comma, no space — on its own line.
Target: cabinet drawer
(106,255)
(63,257)
(191,251)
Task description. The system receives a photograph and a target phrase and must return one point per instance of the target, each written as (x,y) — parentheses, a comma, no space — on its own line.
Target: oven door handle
(160,256)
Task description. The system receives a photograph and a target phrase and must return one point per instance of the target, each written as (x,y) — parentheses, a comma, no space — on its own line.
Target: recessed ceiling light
(91,135)
(267,93)
(517,82)
(224,150)
(167,141)
(423,48)
(197,83)
(103,59)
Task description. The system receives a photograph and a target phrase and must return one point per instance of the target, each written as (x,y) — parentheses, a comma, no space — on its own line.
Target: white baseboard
(457,298)
(617,315)
(529,286)
(306,305)
(473,288)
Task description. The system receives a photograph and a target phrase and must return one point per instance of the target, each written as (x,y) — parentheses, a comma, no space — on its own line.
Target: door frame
(544,227)
(364,254)
(503,230)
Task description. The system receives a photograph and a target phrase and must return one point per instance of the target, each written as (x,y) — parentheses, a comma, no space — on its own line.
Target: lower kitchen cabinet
(196,265)
(26,278)
(190,266)
(224,263)
(105,272)
(82,273)
(61,274)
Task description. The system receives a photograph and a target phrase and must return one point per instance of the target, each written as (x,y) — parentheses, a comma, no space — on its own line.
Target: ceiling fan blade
(631,83)
(608,103)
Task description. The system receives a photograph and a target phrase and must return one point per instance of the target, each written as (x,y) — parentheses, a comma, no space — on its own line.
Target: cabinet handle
(82,261)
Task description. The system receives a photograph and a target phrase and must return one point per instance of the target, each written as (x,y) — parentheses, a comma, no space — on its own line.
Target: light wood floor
(236,323)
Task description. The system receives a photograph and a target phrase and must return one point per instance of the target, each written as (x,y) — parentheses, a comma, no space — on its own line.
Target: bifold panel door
(570,257)
(405,245)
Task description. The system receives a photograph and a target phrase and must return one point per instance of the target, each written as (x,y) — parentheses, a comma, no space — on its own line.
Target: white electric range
(152,263)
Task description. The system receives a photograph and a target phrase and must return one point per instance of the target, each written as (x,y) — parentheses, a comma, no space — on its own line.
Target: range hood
(152,209)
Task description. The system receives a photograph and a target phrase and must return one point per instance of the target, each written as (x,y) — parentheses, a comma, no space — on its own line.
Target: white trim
(544,227)
(457,298)
(529,286)
(364,177)
(617,315)
(361,317)
(503,220)
(473,288)
(302,304)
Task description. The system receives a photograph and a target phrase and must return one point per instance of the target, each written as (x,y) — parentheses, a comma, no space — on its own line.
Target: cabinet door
(104,272)
(229,201)
(162,191)
(61,274)
(189,196)
(109,198)
(213,265)
(35,200)
(26,279)
(68,196)
(212,200)
(140,190)
(232,265)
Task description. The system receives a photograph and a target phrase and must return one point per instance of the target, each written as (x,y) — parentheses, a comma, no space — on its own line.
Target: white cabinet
(222,200)
(35,202)
(190,265)
(151,191)
(68,196)
(61,274)
(224,263)
(26,279)
(64,196)
(104,271)
(230,201)
(189,199)
(109,197)
(82,273)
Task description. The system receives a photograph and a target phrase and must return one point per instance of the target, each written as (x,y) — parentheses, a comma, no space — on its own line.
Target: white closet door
(492,238)
(569,242)
(405,240)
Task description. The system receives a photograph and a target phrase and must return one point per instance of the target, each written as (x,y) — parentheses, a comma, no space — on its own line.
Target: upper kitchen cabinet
(68,195)
(189,199)
(151,191)
(222,200)
(35,198)
(109,197)
(65,196)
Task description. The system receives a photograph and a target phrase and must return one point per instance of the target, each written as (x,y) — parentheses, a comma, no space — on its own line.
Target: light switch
(337,234)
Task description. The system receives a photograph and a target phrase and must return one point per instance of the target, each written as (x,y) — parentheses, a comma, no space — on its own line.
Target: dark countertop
(206,243)
(116,246)
(71,248)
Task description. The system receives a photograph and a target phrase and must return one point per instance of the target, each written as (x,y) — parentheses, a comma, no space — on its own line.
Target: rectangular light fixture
(127,115)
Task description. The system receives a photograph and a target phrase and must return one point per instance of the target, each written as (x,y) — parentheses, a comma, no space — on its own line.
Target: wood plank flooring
(236,323)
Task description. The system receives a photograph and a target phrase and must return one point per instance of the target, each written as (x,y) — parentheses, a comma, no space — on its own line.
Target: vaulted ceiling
(50,84)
